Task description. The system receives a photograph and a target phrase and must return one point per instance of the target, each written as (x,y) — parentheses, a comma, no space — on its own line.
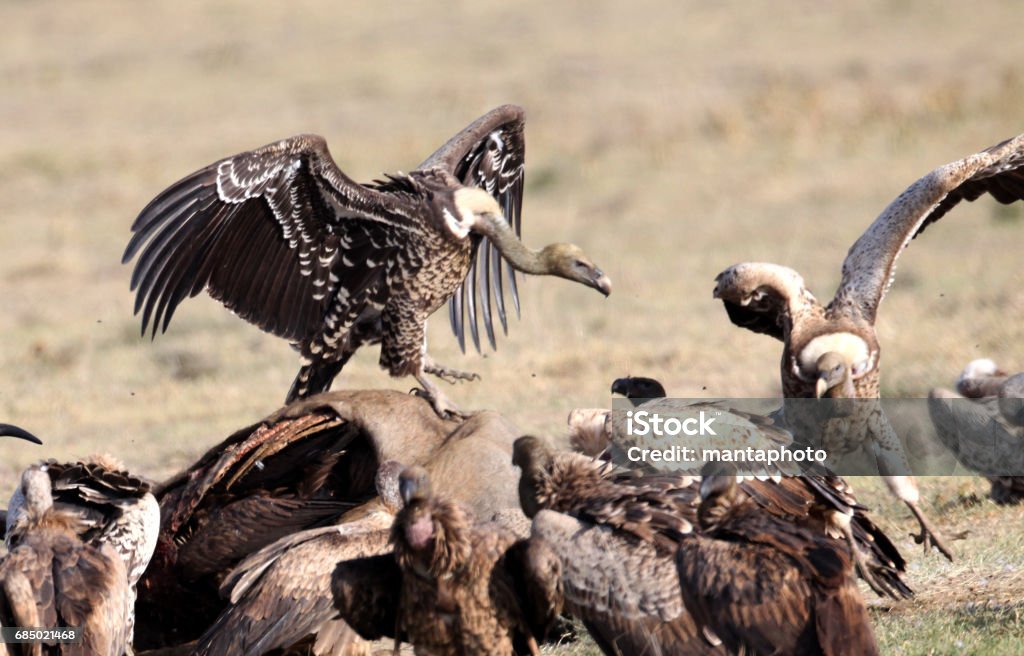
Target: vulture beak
(602,282)
(821,387)
(13,431)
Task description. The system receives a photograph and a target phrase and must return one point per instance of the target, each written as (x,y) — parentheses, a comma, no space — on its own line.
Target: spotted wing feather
(271,233)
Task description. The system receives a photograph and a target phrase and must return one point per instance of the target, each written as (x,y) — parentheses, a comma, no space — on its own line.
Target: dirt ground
(669,140)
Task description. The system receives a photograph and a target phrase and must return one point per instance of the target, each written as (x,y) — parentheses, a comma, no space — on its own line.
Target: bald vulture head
(387,483)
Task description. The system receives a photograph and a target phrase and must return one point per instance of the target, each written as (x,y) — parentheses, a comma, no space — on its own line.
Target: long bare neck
(521,257)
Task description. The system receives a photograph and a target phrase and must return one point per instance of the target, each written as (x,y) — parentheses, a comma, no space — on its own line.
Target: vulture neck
(521,257)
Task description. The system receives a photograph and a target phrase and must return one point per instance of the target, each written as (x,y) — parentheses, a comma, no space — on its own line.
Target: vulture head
(638,387)
(11,430)
(832,361)
(431,535)
(570,262)
(718,492)
(533,457)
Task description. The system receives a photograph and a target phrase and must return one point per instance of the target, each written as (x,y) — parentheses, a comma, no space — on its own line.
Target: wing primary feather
(499,291)
(485,294)
(471,296)
(455,315)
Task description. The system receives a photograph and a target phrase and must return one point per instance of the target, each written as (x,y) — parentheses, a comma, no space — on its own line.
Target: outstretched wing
(489,154)
(870,265)
(762,297)
(271,233)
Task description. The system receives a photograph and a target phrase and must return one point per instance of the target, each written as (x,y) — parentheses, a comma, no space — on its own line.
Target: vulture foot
(929,537)
(443,406)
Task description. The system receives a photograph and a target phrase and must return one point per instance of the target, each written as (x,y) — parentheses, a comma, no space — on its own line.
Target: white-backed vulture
(983,425)
(283,238)
(765,585)
(455,586)
(51,578)
(832,351)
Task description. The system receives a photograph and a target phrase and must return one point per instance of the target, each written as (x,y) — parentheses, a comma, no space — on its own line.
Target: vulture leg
(893,465)
(905,488)
(448,375)
(443,406)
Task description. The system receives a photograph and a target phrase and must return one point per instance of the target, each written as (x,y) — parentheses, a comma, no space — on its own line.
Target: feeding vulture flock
(351,516)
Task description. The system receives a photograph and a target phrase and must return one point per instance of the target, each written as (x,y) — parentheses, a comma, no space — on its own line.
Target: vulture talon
(928,536)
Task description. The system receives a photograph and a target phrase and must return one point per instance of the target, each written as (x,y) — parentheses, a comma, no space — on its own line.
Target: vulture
(819,500)
(765,585)
(454,586)
(613,541)
(283,238)
(103,504)
(832,351)
(982,423)
(235,521)
(52,578)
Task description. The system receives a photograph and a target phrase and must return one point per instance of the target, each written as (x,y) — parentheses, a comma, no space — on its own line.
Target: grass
(669,140)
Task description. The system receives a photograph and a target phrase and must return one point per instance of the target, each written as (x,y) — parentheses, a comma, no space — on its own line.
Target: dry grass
(669,139)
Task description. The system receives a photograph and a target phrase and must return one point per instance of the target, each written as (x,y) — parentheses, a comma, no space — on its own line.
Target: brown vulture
(765,585)
(454,586)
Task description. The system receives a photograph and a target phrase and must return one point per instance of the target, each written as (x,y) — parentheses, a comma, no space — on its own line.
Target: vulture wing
(870,266)
(272,233)
(282,593)
(490,154)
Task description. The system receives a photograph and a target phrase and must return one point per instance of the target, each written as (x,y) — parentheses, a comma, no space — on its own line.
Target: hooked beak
(14,431)
(820,387)
(602,282)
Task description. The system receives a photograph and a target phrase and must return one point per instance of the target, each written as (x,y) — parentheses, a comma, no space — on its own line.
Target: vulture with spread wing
(982,423)
(282,237)
(832,351)
(454,586)
(765,585)
(52,578)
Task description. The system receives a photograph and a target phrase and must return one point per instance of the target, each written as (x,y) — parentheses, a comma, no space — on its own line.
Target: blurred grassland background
(668,139)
